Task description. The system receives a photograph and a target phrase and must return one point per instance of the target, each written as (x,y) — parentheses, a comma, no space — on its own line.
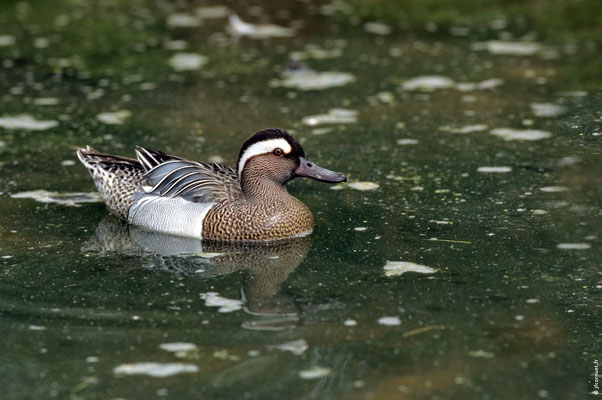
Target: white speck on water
(350,322)
(543,393)
(520,134)
(574,246)
(385,97)
(312,51)
(213,299)
(396,268)
(573,93)
(363,185)
(547,109)
(488,84)
(41,43)
(175,45)
(7,40)
(500,47)
(237,27)
(156,370)
(67,199)
(467,128)
(45,101)
(314,372)
(377,28)
(519,317)
(296,347)
(26,122)
(494,169)
(443,222)
(532,301)
(187,61)
(428,83)
(334,116)
(539,212)
(407,141)
(321,131)
(481,354)
(554,189)
(360,228)
(183,21)
(114,118)
(313,80)
(92,359)
(253,353)
(389,321)
(340,186)
(37,328)
(6,257)
(211,12)
(67,163)
(177,347)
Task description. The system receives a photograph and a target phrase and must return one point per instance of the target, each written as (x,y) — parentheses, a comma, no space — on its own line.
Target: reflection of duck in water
(168,194)
(266,265)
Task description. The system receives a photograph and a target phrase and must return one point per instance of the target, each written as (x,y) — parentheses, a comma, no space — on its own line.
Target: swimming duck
(169,194)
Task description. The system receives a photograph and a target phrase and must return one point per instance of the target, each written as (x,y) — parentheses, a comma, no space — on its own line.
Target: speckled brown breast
(248,221)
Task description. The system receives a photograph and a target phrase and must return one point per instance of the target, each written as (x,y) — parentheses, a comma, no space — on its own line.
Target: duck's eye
(278,152)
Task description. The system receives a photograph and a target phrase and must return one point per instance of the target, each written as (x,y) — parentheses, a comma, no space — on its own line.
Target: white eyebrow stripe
(263,147)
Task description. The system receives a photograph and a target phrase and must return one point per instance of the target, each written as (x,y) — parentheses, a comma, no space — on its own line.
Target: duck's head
(274,154)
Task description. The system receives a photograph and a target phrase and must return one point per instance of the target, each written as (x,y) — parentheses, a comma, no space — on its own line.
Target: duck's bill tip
(310,170)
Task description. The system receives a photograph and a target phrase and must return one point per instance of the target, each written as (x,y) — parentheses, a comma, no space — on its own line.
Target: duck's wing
(171,176)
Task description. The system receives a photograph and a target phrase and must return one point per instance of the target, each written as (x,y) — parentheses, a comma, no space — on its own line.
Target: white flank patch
(573,246)
(314,372)
(26,122)
(494,169)
(187,61)
(178,347)
(263,147)
(396,268)
(156,370)
(296,347)
(66,199)
(213,299)
(114,118)
(520,134)
(389,321)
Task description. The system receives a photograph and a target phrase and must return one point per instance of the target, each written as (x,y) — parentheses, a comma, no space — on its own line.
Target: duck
(210,201)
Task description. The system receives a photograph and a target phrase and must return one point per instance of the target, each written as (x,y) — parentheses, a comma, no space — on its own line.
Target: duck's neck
(262,189)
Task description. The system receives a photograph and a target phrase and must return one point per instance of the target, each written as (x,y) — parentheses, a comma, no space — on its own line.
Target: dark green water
(510,309)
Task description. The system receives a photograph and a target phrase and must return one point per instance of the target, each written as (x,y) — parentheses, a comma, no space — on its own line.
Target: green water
(509,310)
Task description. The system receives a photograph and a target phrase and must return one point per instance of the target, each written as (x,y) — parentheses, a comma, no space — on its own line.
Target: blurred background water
(462,259)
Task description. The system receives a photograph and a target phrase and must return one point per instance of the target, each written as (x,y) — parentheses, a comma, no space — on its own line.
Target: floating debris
(428,83)
(494,169)
(312,80)
(187,61)
(407,141)
(389,321)
(36,328)
(350,322)
(500,47)
(481,354)
(363,186)
(520,134)
(68,163)
(45,101)
(67,199)
(114,118)
(26,122)
(397,268)
(334,116)
(296,347)
(574,246)
(213,299)
(547,109)
(377,28)
(360,228)
(178,347)
(7,40)
(156,370)
(314,372)
(211,12)
(553,189)
(237,27)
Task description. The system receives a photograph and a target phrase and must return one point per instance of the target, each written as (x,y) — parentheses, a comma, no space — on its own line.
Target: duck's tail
(116,178)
